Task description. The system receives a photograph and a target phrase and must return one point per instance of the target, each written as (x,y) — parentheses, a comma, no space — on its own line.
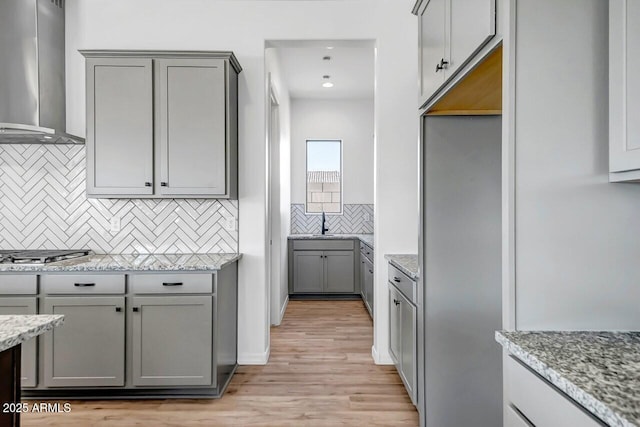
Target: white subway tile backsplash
(43,206)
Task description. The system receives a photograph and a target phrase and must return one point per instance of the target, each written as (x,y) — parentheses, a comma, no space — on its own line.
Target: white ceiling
(351,68)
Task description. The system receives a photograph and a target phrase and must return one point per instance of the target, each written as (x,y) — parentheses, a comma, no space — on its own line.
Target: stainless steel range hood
(32,90)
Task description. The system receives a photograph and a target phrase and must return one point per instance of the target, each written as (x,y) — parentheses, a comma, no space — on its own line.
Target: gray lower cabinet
(308,271)
(323,266)
(403,330)
(368,285)
(162,124)
(88,350)
(171,340)
(339,272)
(24,305)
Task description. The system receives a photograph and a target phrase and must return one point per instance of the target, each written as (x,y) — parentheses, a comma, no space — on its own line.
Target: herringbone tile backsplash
(352,220)
(43,206)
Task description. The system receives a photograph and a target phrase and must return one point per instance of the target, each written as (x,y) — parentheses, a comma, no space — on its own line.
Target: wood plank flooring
(320,373)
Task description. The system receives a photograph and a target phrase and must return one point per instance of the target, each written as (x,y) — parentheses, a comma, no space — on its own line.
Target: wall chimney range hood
(32,73)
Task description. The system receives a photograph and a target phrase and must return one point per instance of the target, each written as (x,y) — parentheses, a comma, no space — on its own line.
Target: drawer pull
(396,302)
(371,271)
(136,309)
(172,284)
(119,309)
(396,279)
(84,285)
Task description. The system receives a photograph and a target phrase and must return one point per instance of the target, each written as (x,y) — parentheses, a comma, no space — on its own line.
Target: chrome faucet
(324,224)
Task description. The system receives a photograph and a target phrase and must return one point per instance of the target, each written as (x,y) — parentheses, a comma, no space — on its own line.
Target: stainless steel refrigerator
(460,255)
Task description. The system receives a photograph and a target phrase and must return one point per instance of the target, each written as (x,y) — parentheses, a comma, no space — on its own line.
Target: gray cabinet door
(432,47)
(394,327)
(339,274)
(408,344)
(368,283)
(119,126)
(171,340)
(192,126)
(88,349)
(23,305)
(363,289)
(308,271)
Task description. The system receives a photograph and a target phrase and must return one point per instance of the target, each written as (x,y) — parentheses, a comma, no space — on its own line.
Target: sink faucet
(324,224)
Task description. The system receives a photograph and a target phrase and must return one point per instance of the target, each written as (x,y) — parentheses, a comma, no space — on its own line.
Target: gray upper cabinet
(192,127)
(624,90)
(88,350)
(450,34)
(162,124)
(172,340)
(119,126)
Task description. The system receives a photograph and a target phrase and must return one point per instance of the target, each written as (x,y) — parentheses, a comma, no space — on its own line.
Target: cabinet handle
(396,302)
(147,184)
(396,279)
(172,284)
(368,253)
(442,65)
(84,285)
(136,309)
(118,309)
(371,271)
(163,184)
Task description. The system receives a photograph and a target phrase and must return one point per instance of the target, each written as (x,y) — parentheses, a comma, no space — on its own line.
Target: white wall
(243,26)
(350,120)
(280,290)
(576,236)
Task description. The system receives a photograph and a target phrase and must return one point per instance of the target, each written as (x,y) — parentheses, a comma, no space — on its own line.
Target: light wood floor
(320,373)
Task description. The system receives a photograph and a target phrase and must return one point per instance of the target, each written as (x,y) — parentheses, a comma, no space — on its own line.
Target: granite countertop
(126,262)
(407,263)
(16,329)
(599,370)
(364,238)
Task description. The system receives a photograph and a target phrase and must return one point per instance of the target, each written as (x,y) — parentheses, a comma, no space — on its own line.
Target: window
(324,176)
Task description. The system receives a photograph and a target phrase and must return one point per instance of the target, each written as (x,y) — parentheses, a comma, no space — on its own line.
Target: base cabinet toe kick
(128,334)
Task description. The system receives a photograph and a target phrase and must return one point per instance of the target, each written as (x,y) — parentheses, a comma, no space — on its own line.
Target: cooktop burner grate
(40,256)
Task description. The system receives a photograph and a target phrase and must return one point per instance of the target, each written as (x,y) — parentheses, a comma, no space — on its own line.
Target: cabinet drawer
(366,251)
(322,245)
(540,403)
(171,283)
(18,284)
(82,283)
(514,419)
(404,284)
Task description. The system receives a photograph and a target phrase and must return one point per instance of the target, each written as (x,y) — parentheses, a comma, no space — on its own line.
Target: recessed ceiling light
(326,76)
(329,47)
(327,84)
(326,58)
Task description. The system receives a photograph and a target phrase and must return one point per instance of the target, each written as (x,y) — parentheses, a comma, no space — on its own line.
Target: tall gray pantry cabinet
(162,124)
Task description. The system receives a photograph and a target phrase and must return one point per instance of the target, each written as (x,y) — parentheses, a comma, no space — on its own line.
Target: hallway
(320,373)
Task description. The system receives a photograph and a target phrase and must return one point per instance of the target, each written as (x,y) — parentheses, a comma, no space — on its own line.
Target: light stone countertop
(364,238)
(599,370)
(16,329)
(130,262)
(407,263)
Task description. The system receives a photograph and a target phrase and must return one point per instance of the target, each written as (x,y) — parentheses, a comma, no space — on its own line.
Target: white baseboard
(380,359)
(254,358)
(282,310)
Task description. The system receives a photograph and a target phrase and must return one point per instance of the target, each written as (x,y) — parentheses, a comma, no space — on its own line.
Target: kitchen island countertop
(16,329)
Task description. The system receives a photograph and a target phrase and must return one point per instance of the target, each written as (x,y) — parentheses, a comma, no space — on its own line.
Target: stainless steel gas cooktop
(40,256)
